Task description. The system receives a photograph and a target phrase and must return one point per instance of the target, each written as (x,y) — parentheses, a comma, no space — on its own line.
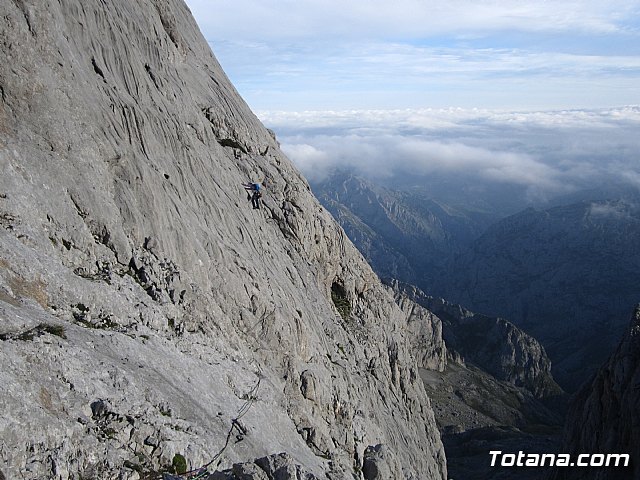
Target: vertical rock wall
(147,313)
(604,417)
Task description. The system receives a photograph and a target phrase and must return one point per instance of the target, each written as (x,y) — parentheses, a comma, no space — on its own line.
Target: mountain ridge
(550,270)
(566,267)
(495,345)
(403,235)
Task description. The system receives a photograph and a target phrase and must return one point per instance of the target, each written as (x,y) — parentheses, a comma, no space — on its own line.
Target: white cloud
(325,54)
(616,210)
(424,157)
(547,152)
(262,20)
(316,163)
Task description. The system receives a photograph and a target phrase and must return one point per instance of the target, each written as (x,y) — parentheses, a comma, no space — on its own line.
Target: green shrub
(341,300)
(179,464)
(57,330)
(41,329)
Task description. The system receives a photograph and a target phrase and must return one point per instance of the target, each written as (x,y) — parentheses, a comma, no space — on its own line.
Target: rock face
(493,344)
(273,467)
(425,334)
(496,391)
(150,320)
(604,417)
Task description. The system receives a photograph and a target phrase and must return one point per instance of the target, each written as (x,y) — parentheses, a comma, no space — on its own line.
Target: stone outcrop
(495,391)
(493,344)
(273,467)
(150,320)
(604,416)
(425,334)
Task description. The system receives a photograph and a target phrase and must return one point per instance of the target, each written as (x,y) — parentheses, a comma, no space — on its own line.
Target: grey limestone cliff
(493,344)
(150,320)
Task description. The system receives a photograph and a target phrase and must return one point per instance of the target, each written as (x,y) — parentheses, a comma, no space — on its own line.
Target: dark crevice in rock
(374,466)
(340,299)
(22,7)
(97,69)
(77,206)
(152,76)
(229,142)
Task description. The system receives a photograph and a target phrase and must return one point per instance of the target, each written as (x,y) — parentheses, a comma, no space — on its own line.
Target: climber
(254,192)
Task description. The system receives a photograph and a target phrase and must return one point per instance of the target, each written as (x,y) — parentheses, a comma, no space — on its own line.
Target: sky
(540,94)
(298,55)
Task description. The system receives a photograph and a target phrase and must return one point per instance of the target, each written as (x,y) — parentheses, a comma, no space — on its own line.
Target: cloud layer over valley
(545,153)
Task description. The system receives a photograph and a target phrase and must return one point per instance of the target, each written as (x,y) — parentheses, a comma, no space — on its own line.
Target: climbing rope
(203,471)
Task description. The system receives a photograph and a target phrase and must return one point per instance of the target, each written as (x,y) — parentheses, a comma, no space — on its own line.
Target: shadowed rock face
(604,417)
(567,275)
(149,317)
(403,235)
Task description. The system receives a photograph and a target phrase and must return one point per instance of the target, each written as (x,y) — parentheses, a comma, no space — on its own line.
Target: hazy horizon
(544,154)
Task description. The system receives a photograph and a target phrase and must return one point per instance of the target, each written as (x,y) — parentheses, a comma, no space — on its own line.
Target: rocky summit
(152,322)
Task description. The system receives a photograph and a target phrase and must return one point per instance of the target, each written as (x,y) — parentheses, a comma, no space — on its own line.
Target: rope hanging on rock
(203,471)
